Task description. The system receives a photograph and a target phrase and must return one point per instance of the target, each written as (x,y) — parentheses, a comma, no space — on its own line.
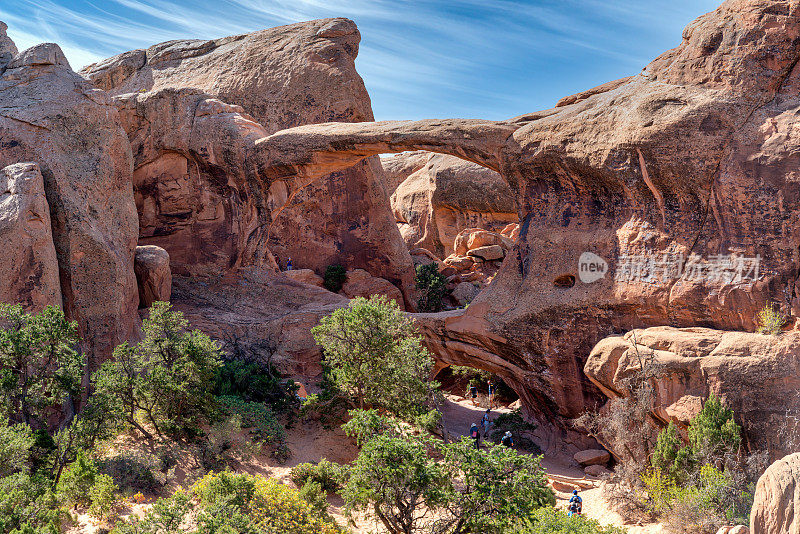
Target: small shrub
(329,475)
(76,480)
(133,471)
(548,520)
(335,277)
(432,286)
(770,320)
(255,416)
(254,382)
(313,494)
(103,495)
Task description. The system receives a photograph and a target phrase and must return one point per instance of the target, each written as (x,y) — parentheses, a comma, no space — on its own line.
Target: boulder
(360,283)
(398,167)
(592,457)
(444,195)
(305,276)
(259,314)
(464,292)
(459,263)
(53,117)
(28,263)
(153,275)
(196,198)
(596,470)
(488,253)
(776,504)
(757,376)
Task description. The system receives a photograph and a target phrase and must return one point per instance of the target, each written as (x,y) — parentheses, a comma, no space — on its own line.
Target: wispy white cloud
(418,57)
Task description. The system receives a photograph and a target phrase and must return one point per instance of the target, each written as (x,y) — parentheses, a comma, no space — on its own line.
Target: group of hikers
(486,423)
(473,393)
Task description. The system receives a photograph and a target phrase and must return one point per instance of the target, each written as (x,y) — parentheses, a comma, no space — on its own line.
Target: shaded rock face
(151,265)
(696,155)
(756,375)
(7,48)
(776,505)
(186,200)
(359,283)
(28,263)
(259,314)
(445,195)
(53,117)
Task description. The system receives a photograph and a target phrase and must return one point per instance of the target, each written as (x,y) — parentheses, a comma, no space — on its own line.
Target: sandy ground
(309,442)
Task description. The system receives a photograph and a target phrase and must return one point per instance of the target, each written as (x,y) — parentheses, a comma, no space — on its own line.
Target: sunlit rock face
(694,158)
(199,190)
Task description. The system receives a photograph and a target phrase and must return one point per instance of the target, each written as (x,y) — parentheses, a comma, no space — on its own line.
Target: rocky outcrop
(7,48)
(776,505)
(259,314)
(205,199)
(445,195)
(28,263)
(688,165)
(360,283)
(305,276)
(153,275)
(756,375)
(53,117)
(398,167)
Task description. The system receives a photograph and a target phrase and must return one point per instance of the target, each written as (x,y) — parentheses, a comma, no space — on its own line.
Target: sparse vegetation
(432,286)
(770,320)
(376,358)
(334,278)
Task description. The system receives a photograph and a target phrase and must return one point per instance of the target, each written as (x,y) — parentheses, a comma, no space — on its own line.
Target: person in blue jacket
(575,504)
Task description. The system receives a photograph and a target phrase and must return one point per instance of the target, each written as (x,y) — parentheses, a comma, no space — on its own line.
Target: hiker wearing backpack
(575,504)
(507,439)
(492,389)
(486,423)
(473,392)
(475,435)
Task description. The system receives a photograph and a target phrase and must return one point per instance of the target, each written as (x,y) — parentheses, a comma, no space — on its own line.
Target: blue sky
(490,59)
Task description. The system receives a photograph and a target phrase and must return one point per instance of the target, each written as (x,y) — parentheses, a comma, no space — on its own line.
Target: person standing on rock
(475,435)
(289,264)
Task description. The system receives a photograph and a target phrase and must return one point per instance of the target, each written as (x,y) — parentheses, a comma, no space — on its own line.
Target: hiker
(486,423)
(575,504)
(473,392)
(491,393)
(507,440)
(474,434)
(289,264)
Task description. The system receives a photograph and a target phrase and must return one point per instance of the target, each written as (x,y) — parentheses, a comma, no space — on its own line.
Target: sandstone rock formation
(305,276)
(398,167)
(7,48)
(776,505)
(153,275)
(360,283)
(51,116)
(203,197)
(756,375)
(592,457)
(445,195)
(259,314)
(691,161)
(28,263)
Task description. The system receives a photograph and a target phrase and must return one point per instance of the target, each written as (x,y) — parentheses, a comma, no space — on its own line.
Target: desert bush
(103,496)
(516,423)
(267,505)
(432,286)
(254,382)
(168,376)
(329,475)
(133,471)
(313,494)
(375,356)
(770,320)
(255,416)
(549,520)
(28,505)
(334,278)
(166,516)
(76,480)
